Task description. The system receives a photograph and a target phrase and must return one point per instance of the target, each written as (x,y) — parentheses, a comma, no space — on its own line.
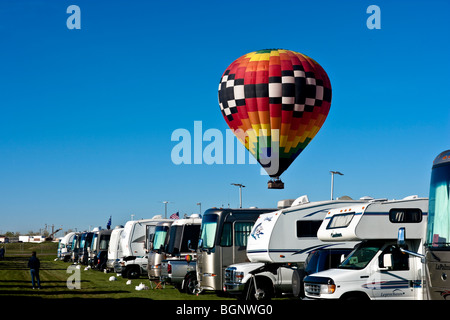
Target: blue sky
(86,116)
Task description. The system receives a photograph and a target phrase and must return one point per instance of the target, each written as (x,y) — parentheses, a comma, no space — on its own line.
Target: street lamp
(200,204)
(165,208)
(332,180)
(240,192)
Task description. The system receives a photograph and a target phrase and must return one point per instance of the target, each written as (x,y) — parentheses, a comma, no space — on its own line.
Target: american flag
(175,216)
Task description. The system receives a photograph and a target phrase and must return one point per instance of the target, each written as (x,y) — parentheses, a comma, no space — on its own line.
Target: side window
(242,231)
(340,220)
(405,215)
(227,235)
(308,228)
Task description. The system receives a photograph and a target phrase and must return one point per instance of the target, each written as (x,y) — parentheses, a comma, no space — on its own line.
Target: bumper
(234,288)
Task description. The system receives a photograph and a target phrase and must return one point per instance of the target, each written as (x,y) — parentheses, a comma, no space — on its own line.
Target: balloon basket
(275,184)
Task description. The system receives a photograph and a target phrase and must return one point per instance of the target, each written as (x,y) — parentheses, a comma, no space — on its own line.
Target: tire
(133,273)
(265,290)
(191,285)
(297,283)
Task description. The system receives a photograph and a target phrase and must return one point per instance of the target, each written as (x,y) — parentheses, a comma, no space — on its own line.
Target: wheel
(133,273)
(264,290)
(297,283)
(191,284)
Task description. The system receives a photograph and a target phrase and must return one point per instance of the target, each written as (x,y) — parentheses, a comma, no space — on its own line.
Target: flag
(175,216)
(108,225)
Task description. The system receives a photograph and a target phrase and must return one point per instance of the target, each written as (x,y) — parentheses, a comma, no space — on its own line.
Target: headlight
(238,276)
(320,286)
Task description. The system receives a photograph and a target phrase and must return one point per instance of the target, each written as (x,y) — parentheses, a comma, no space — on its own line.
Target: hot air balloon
(275,101)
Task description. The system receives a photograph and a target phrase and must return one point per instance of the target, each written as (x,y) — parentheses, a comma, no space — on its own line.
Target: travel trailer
(179,265)
(223,242)
(114,248)
(278,238)
(133,240)
(156,253)
(377,268)
(65,246)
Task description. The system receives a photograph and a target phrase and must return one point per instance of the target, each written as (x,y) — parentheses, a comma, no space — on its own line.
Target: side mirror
(401,237)
(387,262)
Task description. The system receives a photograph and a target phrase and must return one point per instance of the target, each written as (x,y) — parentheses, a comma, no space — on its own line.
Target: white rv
(114,248)
(377,268)
(65,246)
(133,240)
(277,238)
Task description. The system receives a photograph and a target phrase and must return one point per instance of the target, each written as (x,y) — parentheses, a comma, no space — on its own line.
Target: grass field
(15,280)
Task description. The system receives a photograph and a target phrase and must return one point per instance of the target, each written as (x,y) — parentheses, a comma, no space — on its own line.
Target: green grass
(15,280)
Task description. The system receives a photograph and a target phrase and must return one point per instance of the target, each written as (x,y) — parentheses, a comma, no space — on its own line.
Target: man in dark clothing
(34,264)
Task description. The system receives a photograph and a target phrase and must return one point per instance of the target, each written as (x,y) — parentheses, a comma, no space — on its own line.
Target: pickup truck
(181,273)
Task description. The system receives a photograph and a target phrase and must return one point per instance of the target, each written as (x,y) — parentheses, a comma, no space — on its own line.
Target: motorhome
(278,238)
(437,245)
(114,248)
(436,255)
(223,241)
(75,247)
(99,248)
(179,265)
(377,268)
(156,252)
(84,244)
(133,240)
(65,246)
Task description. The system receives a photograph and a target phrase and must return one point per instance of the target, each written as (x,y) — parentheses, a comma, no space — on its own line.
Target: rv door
(233,241)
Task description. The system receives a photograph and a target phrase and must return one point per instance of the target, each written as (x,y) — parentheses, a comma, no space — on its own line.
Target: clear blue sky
(86,116)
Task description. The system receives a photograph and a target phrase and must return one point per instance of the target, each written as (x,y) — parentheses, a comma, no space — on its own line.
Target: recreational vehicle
(85,243)
(65,246)
(133,241)
(99,248)
(437,246)
(222,242)
(436,255)
(156,253)
(284,236)
(179,265)
(376,268)
(114,248)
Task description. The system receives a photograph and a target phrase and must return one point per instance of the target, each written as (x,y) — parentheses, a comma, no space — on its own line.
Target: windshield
(174,239)
(438,230)
(208,231)
(361,256)
(160,237)
(94,242)
(104,241)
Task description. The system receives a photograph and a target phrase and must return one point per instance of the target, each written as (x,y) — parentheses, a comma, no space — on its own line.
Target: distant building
(33,239)
(4,239)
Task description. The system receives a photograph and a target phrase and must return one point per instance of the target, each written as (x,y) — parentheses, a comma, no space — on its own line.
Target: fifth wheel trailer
(279,238)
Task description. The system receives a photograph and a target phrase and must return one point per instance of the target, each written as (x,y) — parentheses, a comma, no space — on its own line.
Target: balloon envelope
(275,101)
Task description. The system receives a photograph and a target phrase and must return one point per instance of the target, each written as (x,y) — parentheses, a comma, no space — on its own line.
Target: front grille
(312,289)
(229,274)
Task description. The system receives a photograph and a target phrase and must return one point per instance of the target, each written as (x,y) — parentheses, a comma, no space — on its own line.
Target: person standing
(34,264)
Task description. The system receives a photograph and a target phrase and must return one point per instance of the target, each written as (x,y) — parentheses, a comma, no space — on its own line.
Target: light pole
(200,204)
(240,192)
(165,208)
(332,180)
